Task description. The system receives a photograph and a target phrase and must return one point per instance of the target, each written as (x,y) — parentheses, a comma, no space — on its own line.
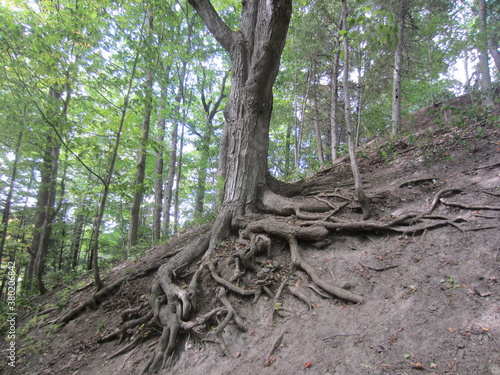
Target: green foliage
(72,71)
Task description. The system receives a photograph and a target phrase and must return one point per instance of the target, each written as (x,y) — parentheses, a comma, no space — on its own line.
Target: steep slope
(431,296)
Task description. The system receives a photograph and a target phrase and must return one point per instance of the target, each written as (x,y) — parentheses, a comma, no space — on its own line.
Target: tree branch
(218,28)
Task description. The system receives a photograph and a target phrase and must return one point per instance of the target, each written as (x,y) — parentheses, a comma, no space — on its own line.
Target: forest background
(111,113)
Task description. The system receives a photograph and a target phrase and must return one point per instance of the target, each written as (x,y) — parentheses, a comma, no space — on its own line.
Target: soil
(431,299)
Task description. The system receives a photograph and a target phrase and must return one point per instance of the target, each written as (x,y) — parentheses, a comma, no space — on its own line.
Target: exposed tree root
(174,308)
(270,358)
(93,301)
(438,196)
(470,207)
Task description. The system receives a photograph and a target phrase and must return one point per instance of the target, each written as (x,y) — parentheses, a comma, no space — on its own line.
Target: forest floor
(432,299)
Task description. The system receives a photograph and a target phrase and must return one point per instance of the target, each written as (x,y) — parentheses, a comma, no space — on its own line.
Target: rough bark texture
(255,52)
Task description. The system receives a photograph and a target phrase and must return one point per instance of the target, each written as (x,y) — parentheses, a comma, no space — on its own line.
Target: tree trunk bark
(206,139)
(178,182)
(76,241)
(8,200)
(141,164)
(301,122)
(51,165)
(484,69)
(358,185)
(255,56)
(158,186)
(317,128)
(167,199)
(334,127)
(398,66)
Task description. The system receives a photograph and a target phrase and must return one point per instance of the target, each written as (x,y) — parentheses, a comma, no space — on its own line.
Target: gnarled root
(291,233)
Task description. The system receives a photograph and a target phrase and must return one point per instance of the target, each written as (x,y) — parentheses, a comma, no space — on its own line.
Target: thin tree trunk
(158,186)
(358,185)
(167,199)
(142,152)
(8,200)
(359,105)
(484,69)
(42,245)
(206,139)
(178,182)
(334,126)
(495,54)
(302,120)
(398,68)
(107,181)
(319,141)
(76,240)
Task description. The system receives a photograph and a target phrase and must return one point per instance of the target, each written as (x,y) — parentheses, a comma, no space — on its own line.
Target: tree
(142,152)
(401,12)
(255,52)
(483,68)
(358,185)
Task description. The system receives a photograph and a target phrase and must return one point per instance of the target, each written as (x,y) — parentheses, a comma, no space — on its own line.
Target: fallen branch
(416,181)
(381,269)
(93,301)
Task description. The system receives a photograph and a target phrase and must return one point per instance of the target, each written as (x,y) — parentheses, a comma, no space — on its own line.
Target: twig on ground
(276,343)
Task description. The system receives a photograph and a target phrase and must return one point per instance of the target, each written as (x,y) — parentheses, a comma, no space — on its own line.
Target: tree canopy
(112,113)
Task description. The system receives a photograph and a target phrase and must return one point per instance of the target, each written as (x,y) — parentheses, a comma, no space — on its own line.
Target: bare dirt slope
(432,299)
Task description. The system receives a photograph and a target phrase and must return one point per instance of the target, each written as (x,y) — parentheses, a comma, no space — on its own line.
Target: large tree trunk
(255,56)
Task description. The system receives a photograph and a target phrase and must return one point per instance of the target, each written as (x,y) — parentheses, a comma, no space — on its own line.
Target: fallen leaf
(394,338)
(417,365)
(308,364)
(486,329)
(451,330)
(433,365)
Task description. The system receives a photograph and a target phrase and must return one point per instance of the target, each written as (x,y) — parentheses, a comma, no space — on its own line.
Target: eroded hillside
(431,295)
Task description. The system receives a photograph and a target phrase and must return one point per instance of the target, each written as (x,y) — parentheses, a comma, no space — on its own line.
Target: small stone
(481,290)
(347,286)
